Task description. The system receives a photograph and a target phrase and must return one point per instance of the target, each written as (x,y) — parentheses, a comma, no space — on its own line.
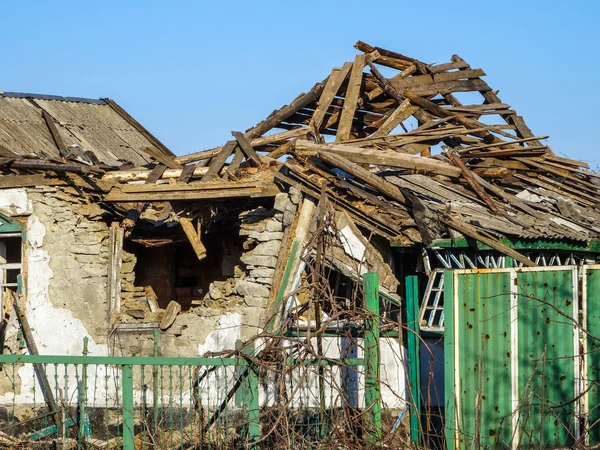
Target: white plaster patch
(15,202)
(55,330)
(352,244)
(225,336)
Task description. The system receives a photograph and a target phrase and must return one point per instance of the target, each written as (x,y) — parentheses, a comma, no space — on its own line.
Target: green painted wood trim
(128,407)
(414,364)
(51,430)
(593,246)
(372,357)
(11,226)
(282,286)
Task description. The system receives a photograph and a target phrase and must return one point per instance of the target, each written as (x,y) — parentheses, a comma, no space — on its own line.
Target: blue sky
(193,71)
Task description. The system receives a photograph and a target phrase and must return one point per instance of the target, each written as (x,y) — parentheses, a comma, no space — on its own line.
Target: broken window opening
(158,270)
(10,262)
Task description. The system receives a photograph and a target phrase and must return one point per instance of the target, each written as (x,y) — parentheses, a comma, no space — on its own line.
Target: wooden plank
(195,186)
(193,237)
(238,157)
(267,191)
(247,149)
(502,143)
(36,164)
(523,151)
(351,99)
(522,129)
(217,163)
(468,176)
(12,181)
(385,187)
(401,113)
(286,111)
(335,80)
(142,175)
(286,148)
(199,156)
(379,157)
(135,211)
(155,174)
(448,66)
(161,158)
(448,87)
(40,371)
(390,59)
(151,298)
(567,161)
(186,173)
(58,141)
(423,81)
(472,232)
(256,142)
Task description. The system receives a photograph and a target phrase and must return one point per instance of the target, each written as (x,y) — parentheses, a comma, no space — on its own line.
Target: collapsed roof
(402,153)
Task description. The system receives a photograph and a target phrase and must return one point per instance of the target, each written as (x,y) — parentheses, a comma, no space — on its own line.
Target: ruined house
(418,175)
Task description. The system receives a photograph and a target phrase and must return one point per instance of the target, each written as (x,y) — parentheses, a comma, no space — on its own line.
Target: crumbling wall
(233,305)
(67,259)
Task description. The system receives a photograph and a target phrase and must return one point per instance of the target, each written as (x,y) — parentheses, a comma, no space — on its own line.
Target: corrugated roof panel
(93,125)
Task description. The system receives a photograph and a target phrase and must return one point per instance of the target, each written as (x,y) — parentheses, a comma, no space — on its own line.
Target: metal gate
(514,377)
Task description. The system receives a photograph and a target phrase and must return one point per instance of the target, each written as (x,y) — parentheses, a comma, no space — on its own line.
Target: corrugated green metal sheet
(591,301)
(510,349)
(484,357)
(547,362)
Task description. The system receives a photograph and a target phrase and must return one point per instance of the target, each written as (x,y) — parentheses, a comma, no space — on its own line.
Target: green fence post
(371,344)
(414,363)
(155,396)
(128,419)
(253,405)
(84,426)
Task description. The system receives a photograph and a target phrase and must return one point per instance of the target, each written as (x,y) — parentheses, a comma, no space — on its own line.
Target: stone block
(282,200)
(267,236)
(295,195)
(250,289)
(273,225)
(262,272)
(259,260)
(270,248)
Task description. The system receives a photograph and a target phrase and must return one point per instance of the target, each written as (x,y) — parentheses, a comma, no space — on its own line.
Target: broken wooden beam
(246,147)
(379,157)
(56,137)
(385,187)
(468,176)
(193,236)
(351,99)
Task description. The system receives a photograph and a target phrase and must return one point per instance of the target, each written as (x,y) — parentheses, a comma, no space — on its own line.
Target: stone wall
(235,303)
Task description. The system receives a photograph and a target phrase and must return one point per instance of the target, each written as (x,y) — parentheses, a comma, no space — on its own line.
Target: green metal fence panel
(548,356)
(591,309)
(116,402)
(512,356)
(481,341)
